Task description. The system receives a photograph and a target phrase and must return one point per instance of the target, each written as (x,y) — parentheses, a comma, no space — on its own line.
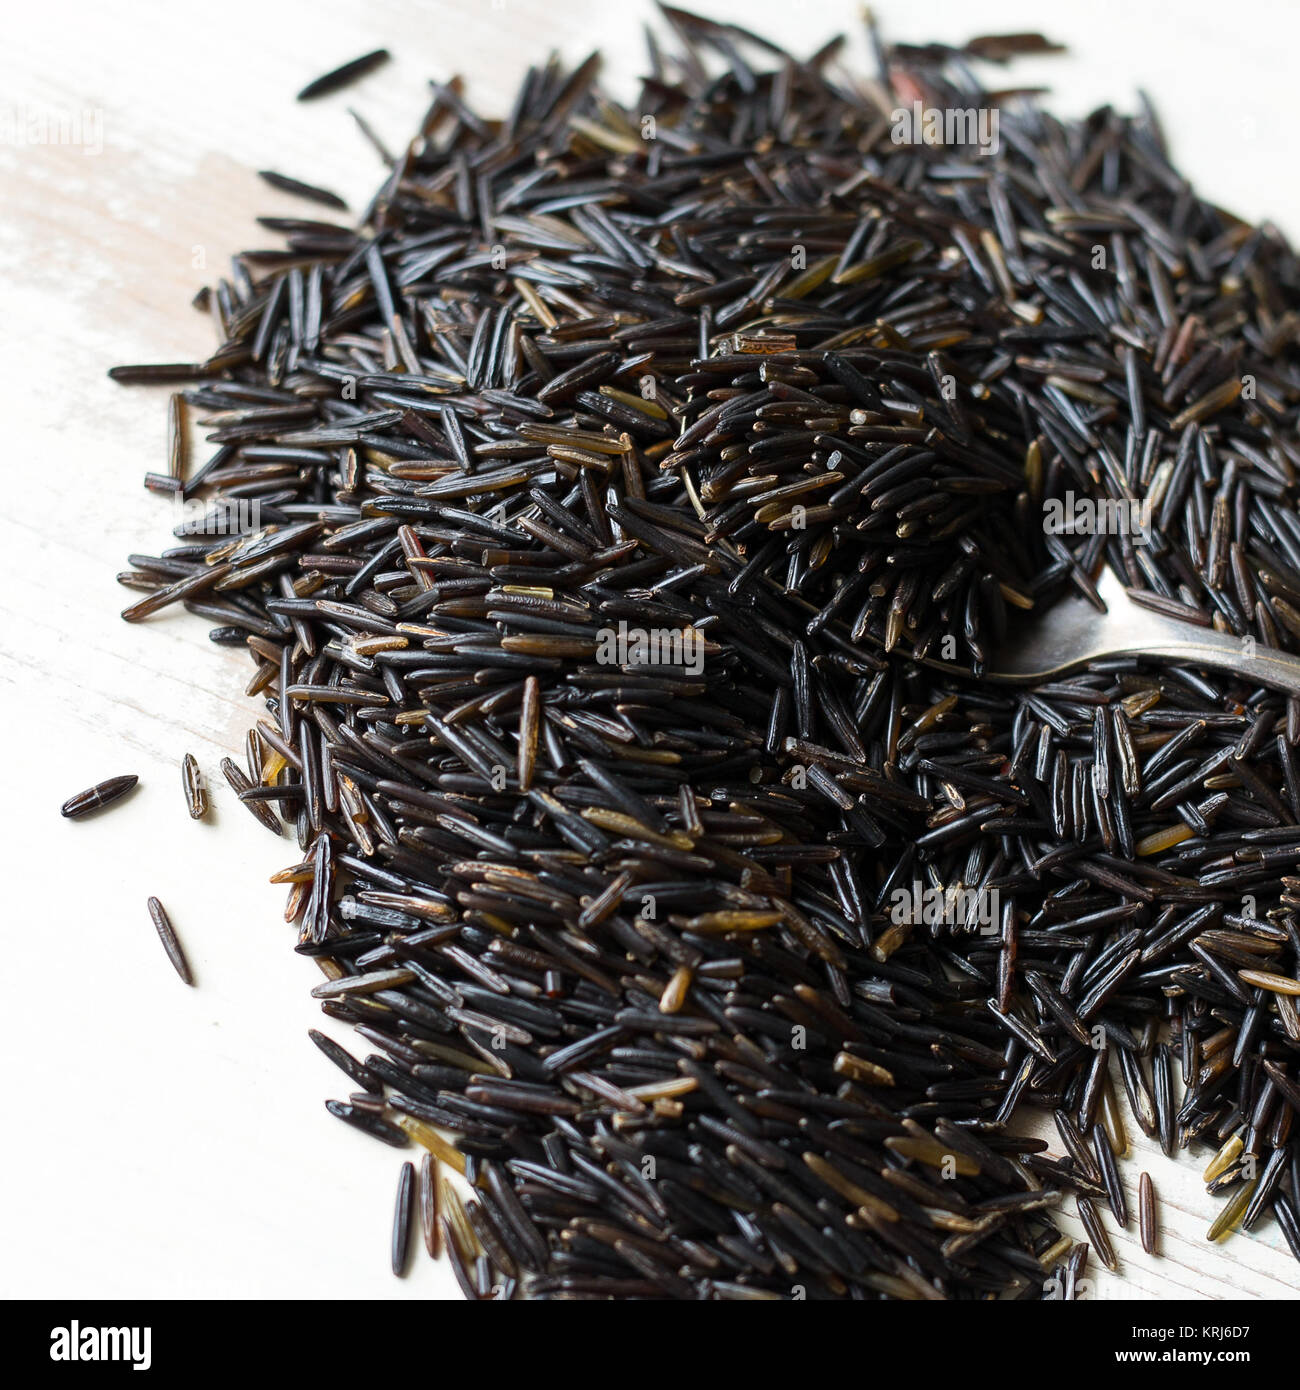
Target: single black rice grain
(342,75)
(167,935)
(101,794)
(196,791)
(1147,1213)
(401,1241)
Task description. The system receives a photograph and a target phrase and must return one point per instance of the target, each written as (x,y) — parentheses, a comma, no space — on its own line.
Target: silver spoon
(1071,633)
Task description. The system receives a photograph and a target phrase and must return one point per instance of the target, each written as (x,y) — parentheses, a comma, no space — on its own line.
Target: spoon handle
(1267,666)
(1072,633)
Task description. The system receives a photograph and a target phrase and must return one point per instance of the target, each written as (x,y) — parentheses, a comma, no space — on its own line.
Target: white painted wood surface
(159,1141)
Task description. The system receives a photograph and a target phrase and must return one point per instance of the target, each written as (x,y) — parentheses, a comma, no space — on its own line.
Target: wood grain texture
(173,1142)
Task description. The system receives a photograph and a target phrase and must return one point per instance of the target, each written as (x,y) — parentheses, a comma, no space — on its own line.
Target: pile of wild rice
(731,374)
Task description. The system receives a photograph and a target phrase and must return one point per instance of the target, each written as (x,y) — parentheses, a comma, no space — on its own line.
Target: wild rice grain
(402,1220)
(167,935)
(101,794)
(196,791)
(429,1205)
(342,75)
(1147,1213)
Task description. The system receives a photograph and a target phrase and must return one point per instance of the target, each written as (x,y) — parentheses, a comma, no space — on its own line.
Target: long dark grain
(1147,1213)
(344,74)
(196,790)
(402,1219)
(100,795)
(167,935)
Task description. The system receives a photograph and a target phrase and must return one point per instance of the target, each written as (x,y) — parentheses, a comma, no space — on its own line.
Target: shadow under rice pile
(611,478)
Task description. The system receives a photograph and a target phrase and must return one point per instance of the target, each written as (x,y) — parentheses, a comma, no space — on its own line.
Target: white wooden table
(160,1141)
